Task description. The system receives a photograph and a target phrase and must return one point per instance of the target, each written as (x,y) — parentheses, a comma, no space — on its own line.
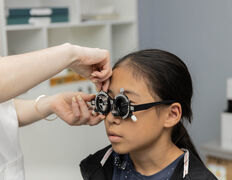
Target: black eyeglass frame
(130,108)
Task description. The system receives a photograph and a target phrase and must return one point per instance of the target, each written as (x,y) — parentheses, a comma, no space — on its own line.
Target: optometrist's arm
(20,73)
(70,107)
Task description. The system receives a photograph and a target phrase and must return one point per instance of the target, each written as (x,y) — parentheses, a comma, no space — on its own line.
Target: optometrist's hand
(93,64)
(73,109)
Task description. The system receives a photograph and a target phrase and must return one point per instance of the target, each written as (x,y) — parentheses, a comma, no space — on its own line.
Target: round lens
(102,104)
(121,106)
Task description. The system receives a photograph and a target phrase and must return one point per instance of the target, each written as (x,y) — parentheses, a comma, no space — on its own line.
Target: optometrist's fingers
(97,80)
(82,113)
(72,117)
(105,85)
(77,114)
(75,108)
(95,120)
(85,115)
(87,97)
(98,86)
(102,70)
(90,107)
(101,76)
(92,111)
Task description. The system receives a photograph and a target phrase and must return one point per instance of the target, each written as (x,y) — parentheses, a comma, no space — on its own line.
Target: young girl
(149,100)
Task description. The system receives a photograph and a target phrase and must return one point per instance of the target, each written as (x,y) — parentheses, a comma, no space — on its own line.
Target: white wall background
(199,32)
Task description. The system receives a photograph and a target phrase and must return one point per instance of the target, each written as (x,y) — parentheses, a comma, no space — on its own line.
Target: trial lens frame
(121,105)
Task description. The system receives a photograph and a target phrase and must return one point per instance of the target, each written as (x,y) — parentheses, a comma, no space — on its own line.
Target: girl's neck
(155,157)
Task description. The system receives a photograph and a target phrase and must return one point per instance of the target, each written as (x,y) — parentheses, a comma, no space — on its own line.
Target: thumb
(88,97)
(106,85)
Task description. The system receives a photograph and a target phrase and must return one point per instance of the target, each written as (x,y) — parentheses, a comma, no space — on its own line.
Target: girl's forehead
(123,78)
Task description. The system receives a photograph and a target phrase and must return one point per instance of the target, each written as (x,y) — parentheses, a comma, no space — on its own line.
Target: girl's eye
(132,102)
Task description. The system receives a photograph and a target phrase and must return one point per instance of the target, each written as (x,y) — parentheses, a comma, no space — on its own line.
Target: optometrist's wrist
(69,51)
(43,106)
(76,53)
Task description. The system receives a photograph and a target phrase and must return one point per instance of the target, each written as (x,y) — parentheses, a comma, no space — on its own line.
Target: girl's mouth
(114,137)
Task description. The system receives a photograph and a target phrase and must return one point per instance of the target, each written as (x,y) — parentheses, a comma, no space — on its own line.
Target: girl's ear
(174,113)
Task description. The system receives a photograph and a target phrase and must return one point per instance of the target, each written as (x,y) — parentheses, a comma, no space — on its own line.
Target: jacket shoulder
(91,167)
(96,157)
(200,171)
(197,170)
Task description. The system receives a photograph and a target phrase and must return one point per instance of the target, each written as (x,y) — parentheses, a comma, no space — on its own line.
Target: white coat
(11,157)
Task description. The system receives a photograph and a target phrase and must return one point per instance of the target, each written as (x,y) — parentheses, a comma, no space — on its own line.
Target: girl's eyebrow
(126,92)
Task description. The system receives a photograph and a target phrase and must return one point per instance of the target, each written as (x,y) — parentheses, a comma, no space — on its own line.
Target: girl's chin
(119,149)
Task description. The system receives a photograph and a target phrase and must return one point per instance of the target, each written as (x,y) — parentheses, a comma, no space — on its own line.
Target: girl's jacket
(99,166)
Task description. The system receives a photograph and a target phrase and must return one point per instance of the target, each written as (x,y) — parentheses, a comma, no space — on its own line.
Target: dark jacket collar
(92,169)
(197,170)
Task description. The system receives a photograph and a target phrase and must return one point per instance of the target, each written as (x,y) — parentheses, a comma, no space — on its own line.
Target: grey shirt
(124,169)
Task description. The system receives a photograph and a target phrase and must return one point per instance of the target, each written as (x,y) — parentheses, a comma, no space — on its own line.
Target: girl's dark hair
(168,77)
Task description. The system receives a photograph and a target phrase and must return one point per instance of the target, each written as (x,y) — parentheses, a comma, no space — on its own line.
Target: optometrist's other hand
(94,64)
(73,109)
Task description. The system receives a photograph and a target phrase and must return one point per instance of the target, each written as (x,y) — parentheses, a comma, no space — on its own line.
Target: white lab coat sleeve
(11,157)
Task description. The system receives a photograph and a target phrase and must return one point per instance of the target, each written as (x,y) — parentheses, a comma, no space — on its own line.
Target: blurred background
(199,32)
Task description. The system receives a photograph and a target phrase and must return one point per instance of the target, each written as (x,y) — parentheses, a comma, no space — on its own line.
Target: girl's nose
(113,119)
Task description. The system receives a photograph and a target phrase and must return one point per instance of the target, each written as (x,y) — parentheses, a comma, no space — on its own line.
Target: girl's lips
(114,138)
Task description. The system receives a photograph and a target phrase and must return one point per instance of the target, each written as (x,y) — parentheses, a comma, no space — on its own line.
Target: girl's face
(125,135)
